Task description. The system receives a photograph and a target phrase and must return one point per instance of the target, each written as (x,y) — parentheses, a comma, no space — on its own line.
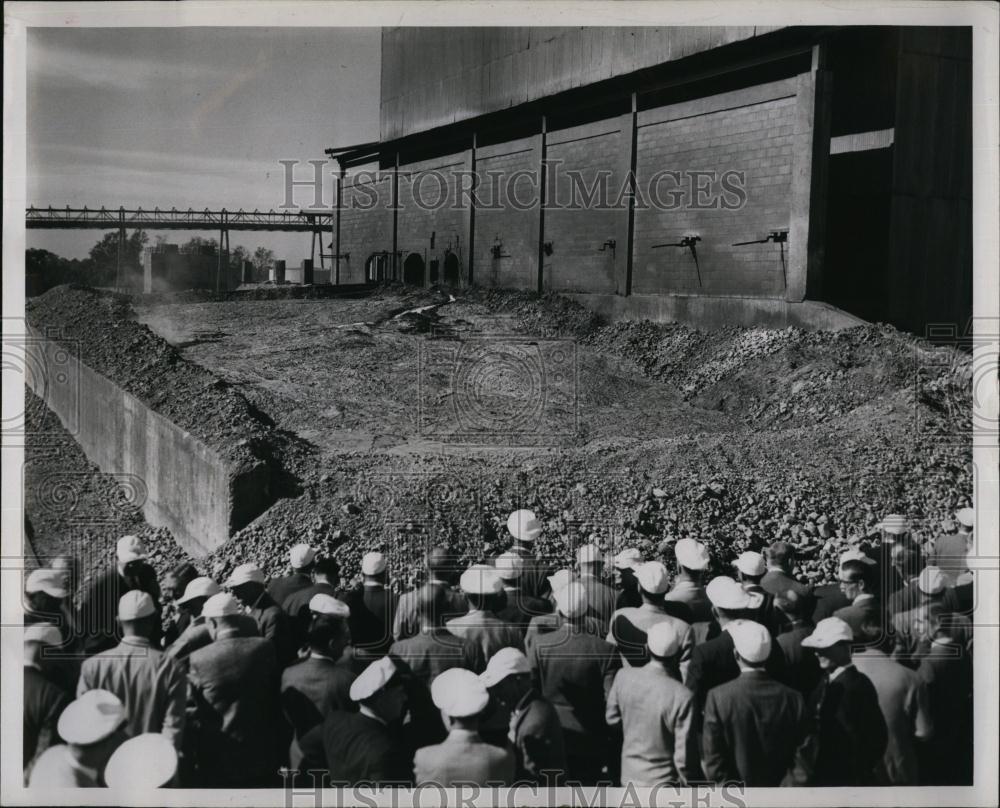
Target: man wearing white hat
(300,558)
(363,746)
(574,669)
(46,602)
(440,564)
(521,607)
(544,623)
(483,588)
(150,684)
(600,596)
(630,625)
(235,706)
(626,563)
(850,728)
(141,763)
(325,576)
(753,724)
(914,629)
(196,635)
(246,582)
(692,565)
(948,550)
(93,726)
(655,711)
(750,569)
(372,608)
(464,757)
(43,699)
(525,528)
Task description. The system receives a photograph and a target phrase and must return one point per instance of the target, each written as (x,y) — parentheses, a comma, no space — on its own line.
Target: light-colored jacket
(464,757)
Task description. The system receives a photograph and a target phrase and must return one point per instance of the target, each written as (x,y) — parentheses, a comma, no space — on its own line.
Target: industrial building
(812,171)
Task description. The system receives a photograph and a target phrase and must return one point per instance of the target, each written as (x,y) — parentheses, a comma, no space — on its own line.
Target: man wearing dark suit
(865,613)
(831,597)
(325,574)
(753,724)
(521,607)
(525,528)
(441,571)
(601,597)
(301,557)
(234,711)
(626,563)
(801,670)
(750,569)
(484,589)
(43,700)
(778,579)
(372,608)
(247,583)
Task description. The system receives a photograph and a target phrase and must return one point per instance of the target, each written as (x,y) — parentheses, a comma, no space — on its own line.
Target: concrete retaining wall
(190,489)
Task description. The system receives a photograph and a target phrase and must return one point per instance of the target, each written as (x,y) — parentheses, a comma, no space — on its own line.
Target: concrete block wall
(190,489)
(365,222)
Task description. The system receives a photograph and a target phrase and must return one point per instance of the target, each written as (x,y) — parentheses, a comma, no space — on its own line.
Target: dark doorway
(434,270)
(451,270)
(413,270)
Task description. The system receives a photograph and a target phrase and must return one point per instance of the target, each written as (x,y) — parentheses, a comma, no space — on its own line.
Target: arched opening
(413,270)
(451,270)
(377,268)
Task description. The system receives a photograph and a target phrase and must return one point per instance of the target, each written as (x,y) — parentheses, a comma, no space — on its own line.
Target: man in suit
(313,687)
(574,669)
(434,649)
(234,712)
(441,572)
(196,635)
(626,563)
(600,596)
(247,583)
(831,597)
(913,629)
(363,746)
(150,684)
(545,623)
(865,609)
(372,608)
(692,563)
(463,757)
(521,606)
(753,724)
(483,588)
(750,569)
(948,550)
(778,578)
(324,574)
(654,711)
(524,529)
(801,670)
(301,558)
(43,700)
(851,734)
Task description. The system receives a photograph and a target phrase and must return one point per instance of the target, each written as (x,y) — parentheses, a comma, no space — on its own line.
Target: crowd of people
(618,669)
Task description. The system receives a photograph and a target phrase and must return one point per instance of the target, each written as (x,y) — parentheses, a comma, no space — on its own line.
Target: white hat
(628,559)
(509,565)
(244,574)
(301,555)
(652,577)
(91,718)
(725,593)
(45,633)
(895,524)
(662,639)
(589,554)
(571,599)
(931,581)
(524,526)
(328,605)
(751,640)
(691,554)
(372,679)
(143,762)
(130,548)
(459,693)
(134,605)
(559,579)
(505,662)
(751,563)
(855,555)
(203,587)
(481,580)
(51,582)
(966,517)
(829,631)
(220,605)
(373,564)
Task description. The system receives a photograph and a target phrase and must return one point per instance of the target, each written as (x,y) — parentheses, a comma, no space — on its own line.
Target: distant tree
(104,256)
(263,260)
(43,270)
(237,256)
(198,243)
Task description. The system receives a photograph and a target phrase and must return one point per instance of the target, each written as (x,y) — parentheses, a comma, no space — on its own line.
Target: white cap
(459,693)
(372,679)
(751,640)
(662,639)
(691,554)
(203,587)
(855,555)
(829,631)
(505,662)
(134,605)
(301,555)
(895,524)
(143,762)
(130,548)
(966,517)
(751,563)
(329,606)
(481,580)
(509,565)
(931,581)
(589,554)
(51,582)
(628,559)
(559,579)
(91,718)
(571,600)
(524,526)
(652,577)
(45,633)
(220,605)
(244,574)
(373,564)
(725,593)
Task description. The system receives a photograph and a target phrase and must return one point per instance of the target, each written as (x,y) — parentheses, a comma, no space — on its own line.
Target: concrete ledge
(718,312)
(189,488)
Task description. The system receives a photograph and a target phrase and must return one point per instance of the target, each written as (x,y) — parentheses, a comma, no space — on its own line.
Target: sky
(191,118)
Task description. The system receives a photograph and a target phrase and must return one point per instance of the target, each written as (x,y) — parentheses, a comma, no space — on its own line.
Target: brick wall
(364,231)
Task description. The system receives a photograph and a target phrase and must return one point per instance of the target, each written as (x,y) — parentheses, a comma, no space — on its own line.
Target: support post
(542,190)
(396,270)
(633,149)
(336,240)
(474,181)
(121,248)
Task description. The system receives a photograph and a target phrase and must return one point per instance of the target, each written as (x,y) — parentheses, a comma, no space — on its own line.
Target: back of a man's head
(441,564)
(327,569)
(781,554)
(796,606)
